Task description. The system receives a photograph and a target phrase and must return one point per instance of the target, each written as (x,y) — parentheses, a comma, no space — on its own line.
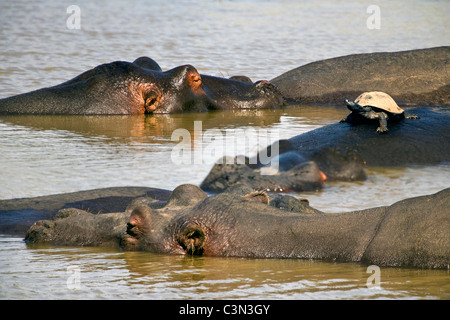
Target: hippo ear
(241,78)
(186,195)
(192,239)
(148,63)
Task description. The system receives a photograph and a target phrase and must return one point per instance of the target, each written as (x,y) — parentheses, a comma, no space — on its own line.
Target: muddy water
(90,273)
(44,155)
(47,155)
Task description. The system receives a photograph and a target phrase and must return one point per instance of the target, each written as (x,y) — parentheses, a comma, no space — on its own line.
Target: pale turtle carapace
(375,106)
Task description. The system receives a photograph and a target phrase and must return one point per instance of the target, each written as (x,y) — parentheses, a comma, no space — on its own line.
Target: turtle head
(355,107)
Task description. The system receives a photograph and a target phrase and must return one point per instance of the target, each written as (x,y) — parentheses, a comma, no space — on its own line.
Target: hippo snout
(308,172)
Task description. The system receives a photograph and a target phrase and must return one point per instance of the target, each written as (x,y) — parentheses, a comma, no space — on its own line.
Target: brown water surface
(41,155)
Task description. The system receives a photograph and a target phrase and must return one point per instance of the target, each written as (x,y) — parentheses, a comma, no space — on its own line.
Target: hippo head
(238,222)
(183,89)
(147,227)
(177,90)
(141,87)
(191,223)
(300,176)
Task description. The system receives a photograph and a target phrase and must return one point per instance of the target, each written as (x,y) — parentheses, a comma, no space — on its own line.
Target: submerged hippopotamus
(422,141)
(142,87)
(419,77)
(303,176)
(244,223)
(17,215)
(342,151)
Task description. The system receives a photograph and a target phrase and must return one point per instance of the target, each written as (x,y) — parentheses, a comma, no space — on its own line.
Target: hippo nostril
(130,230)
(152,100)
(151,105)
(192,240)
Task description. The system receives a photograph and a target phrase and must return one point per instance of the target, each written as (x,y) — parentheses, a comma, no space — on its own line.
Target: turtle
(375,106)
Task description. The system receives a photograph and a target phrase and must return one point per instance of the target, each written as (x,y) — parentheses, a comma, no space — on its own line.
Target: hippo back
(411,141)
(415,76)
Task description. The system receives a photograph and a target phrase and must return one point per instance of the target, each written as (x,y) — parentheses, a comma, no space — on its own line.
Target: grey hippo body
(408,142)
(141,87)
(241,223)
(17,215)
(417,77)
(342,151)
(292,173)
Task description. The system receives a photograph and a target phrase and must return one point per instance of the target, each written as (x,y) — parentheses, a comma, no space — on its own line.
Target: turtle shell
(379,100)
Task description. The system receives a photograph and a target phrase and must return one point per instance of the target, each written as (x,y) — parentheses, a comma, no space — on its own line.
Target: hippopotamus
(304,176)
(17,215)
(242,222)
(422,141)
(418,77)
(142,87)
(342,151)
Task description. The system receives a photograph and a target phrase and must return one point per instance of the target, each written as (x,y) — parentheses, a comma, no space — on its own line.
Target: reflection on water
(71,153)
(55,154)
(46,273)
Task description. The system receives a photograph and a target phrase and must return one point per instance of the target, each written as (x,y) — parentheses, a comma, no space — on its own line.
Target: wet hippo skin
(342,150)
(244,223)
(17,215)
(141,87)
(413,77)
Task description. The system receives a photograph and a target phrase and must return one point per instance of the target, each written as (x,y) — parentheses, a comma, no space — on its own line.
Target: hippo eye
(192,240)
(194,79)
